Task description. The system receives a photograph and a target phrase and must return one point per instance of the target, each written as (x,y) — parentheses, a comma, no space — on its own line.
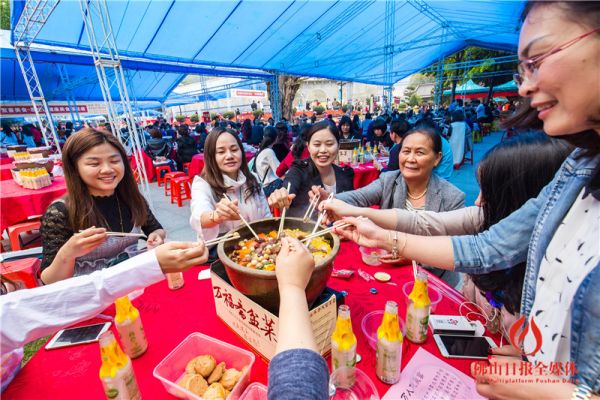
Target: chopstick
(322,214)
(222,239)
(124,234)
(283,214)
(311,207)
(325,231)
(243,219)
(414,265)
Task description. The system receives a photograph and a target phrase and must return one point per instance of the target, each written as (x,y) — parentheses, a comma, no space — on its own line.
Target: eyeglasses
(527,68)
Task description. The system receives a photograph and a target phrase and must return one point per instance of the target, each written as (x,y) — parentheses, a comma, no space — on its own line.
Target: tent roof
(332,39)
(469,87)
(509,86)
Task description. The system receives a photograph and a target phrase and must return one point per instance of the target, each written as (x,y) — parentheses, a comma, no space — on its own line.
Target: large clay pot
(261,286)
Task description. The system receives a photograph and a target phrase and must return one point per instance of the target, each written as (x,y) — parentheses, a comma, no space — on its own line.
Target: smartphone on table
(78,335)
(454,346)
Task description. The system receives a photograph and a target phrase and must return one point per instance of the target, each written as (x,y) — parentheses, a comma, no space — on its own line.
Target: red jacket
(287,161)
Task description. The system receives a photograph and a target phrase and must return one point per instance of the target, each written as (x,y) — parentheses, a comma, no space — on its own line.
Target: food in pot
(261,253)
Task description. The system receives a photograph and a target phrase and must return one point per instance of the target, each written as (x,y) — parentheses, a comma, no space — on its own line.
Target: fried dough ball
(202,365)
(217,373)
(215,392)
(194,383)
(230,378)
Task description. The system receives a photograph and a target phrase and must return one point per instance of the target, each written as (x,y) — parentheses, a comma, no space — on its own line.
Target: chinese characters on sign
(54,109)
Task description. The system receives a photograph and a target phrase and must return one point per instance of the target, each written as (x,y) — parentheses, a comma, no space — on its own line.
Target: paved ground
(176,220)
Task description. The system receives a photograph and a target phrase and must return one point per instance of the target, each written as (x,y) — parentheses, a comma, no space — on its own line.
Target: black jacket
(186,148)
(303,175)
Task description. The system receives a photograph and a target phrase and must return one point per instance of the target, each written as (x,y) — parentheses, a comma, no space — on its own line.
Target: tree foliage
(454,76)
(4,14)
(414,100)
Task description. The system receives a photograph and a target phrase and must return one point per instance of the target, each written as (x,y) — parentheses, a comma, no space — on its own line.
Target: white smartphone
(78,335)
(453,346)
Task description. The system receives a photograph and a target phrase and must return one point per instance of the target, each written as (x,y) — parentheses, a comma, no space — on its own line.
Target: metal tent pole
(34,16)
(274,101)
(112,80)
(68,88)
(388,54)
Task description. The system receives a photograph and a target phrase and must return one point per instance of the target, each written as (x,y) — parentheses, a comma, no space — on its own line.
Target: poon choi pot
(261,286)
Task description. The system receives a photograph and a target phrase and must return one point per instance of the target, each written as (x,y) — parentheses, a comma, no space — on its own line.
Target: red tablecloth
(169,317)
(197,163)
(5,171)
(364,174)
(5,160)
(148,165)
(18,203)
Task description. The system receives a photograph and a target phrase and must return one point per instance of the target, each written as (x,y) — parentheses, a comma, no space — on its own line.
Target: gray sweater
(390,191)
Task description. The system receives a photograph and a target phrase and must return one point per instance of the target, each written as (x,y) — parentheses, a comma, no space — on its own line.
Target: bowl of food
(371,255)
(250,263)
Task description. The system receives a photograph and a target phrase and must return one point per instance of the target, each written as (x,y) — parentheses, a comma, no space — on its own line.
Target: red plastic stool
(181,190)
(15,231)
(170,176)
(159,178)
(22,273)
(186,168)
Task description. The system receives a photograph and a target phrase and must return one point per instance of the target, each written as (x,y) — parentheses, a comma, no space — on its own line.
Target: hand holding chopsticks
(123,234)
(322,214)
(324,231)
(243,219)
(281,222)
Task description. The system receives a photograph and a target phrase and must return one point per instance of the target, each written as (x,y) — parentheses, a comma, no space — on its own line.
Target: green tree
(4,14)
(480,74)
(414,100)
(288,87)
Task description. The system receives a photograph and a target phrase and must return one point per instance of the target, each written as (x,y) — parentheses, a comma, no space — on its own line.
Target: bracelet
(395,245)
(582,392)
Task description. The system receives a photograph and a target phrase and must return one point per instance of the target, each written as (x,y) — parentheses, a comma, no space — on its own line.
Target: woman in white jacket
(225,173)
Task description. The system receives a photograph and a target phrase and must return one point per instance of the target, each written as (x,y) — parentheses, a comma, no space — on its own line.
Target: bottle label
(123,386)
(346,358)
(389,359)
(417,320)
(133,337)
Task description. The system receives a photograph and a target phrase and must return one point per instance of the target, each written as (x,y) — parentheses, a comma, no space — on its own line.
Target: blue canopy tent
(468,89)
(342,40)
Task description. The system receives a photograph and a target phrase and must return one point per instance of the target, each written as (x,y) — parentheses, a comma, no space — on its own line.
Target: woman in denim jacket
(555,233)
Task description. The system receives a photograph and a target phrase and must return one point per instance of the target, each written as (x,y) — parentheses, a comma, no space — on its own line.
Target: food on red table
(205,378)
(261,253)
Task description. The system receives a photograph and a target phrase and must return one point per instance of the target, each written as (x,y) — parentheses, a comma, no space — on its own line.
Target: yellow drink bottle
(417,313)
(389,345)
(343,341)
(116,372)
(130,328)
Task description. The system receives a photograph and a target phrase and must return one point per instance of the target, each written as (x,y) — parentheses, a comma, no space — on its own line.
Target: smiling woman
(102,195)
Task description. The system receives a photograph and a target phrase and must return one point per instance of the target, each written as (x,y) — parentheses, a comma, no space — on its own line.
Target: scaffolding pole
(274,100)
(34,16)
(439,74)
(388,54)
(66,82)
(111,77)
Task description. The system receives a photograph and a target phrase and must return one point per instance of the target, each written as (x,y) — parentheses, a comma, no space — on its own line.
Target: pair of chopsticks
(322,214)
(283,215)
(243,219)
(311,207)
(224,238)
(124,234)
(324,231)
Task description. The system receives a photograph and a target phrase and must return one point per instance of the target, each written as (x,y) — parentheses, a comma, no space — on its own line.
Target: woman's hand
(281,199)
(179,256)
(226,210)
(83,242)
(364,232)
(337,209)
(155,239)
(294,264)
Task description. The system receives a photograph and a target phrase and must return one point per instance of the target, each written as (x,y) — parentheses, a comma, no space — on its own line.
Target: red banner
(54,109)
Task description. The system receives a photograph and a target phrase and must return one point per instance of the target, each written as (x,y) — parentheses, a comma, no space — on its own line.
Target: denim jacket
(524,236)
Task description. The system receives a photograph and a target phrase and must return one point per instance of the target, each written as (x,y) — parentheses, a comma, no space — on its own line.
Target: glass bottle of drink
(354,157)
(343,341)
(417,313)
(129,326)
(116,372)
(389,345)
(362,155)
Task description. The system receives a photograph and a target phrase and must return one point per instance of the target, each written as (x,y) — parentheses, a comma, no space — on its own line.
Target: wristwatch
(582,392)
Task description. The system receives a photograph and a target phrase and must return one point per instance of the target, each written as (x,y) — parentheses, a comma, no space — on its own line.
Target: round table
(364,174)
(5,173)
(5,160)
(18,203)
(197,163)
(170,316)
